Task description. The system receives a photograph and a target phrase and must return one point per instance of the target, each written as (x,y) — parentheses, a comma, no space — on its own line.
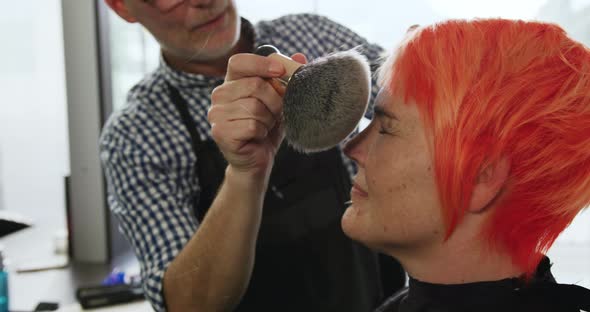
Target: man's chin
(219,45)
(211,51)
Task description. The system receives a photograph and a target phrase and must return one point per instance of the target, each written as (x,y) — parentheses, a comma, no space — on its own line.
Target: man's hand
(212,273)
(246,113)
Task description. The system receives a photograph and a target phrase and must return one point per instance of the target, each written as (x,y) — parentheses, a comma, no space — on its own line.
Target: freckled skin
(402,208)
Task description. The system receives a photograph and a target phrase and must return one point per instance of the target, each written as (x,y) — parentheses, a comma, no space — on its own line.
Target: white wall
(33,125)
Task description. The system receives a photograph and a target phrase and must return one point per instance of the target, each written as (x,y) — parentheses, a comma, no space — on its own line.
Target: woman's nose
(354,149)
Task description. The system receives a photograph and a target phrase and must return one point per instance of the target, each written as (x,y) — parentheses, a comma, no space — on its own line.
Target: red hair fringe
(502,88)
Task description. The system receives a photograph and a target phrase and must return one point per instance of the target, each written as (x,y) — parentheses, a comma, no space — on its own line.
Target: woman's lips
(357,190)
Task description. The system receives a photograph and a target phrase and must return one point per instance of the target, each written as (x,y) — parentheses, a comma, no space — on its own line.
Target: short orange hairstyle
(503,88)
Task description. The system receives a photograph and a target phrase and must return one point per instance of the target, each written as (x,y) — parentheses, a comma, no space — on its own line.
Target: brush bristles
(325,100)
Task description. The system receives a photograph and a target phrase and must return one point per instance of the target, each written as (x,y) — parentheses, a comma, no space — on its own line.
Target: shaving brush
(324,100)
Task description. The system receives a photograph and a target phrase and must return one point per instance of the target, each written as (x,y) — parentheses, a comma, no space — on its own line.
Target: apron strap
(210,165)
(182,108)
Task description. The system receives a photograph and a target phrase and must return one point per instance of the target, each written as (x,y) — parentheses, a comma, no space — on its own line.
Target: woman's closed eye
(383,130)
(386,126)
(386,121)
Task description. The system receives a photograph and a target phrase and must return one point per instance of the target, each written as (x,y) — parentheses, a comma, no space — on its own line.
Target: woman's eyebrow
(381,112)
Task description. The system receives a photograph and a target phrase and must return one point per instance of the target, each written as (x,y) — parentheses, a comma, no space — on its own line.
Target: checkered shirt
(146,150)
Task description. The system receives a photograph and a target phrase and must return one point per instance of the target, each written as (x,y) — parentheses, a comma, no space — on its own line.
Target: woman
(477,159)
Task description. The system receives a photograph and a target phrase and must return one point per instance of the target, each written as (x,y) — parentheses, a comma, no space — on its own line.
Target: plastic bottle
(3,285)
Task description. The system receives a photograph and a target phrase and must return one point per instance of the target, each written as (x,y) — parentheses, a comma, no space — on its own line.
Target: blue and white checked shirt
(146,150)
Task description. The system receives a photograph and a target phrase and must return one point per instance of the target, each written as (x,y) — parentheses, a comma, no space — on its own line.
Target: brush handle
(290,65)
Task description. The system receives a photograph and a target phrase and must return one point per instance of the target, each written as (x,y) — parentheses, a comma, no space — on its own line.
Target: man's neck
(214,68)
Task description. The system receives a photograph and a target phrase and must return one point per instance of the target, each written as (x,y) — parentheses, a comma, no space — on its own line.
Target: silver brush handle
(290,65)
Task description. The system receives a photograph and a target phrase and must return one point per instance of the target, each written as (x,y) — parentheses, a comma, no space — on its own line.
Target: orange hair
(496,88)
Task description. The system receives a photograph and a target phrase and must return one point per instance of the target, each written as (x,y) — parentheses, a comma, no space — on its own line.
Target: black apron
(304,262)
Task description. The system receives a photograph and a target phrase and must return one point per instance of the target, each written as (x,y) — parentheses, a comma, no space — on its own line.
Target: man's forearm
(213,270)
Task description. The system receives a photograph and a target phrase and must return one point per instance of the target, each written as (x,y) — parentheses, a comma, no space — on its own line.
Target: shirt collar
(478,293)
(184,80)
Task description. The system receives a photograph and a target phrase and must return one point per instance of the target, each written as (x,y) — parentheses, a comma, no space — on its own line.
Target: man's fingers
(252,65)
(232,136)
(299,58)
(252,108)
(251,87)
(242,109)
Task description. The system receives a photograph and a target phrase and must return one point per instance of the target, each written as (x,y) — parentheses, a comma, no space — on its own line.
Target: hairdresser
(200,248)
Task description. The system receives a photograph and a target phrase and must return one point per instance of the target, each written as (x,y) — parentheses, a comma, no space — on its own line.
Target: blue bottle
(3,285)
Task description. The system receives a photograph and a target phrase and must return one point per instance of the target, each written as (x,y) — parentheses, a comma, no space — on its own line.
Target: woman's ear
(489,184)
(120,7)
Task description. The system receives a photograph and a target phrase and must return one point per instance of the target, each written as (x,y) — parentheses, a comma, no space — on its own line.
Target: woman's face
(395,205)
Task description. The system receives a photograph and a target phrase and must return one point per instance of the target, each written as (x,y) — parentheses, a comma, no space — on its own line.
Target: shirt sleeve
(145,196)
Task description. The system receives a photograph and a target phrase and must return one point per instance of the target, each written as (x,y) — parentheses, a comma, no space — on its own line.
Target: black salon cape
(541,294)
